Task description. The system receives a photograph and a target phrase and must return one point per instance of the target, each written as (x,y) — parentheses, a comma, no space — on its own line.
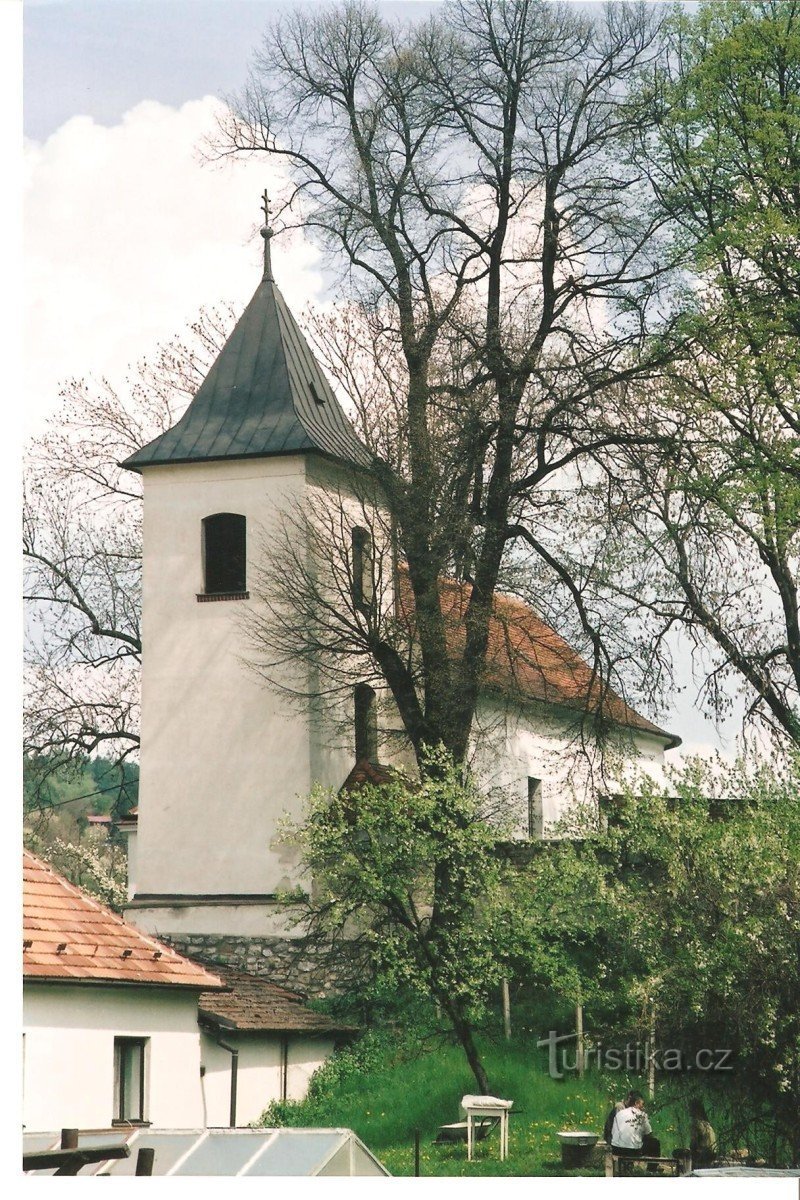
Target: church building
(224,759)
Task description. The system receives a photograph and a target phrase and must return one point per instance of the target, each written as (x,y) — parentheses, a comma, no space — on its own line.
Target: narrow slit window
(224,554)
(315,395)
(535,809)
(363,589)
(366,723)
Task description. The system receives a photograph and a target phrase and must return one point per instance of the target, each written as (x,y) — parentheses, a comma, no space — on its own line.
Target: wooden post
(416,1153)
(651,1062)
(506,1009)
(144,1160)
(684,1162)
(69,1139)
(580,1047)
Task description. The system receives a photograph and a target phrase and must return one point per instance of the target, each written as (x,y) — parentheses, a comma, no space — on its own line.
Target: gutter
(215,1031)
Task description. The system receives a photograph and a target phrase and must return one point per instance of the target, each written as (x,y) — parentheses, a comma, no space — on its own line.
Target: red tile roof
(367,772)
(529,660)
(255,1005)
(70,937)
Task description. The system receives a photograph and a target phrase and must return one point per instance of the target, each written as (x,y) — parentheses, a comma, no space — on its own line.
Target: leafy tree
(704,532)
(93,864)
(377,856)
(470,174)
(697,889)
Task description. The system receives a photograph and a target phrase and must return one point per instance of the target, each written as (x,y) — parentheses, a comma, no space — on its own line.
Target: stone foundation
(291,963)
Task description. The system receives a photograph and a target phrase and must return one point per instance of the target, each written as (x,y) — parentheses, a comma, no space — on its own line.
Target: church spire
(266,233)
(265,394)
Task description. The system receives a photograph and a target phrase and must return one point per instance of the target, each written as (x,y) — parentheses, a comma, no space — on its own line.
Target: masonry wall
(285,961)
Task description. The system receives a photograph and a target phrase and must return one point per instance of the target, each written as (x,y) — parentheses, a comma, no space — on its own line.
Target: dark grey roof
(264,395)
(256,1005)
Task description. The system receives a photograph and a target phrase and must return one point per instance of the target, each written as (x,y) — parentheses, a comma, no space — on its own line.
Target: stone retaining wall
(290,963)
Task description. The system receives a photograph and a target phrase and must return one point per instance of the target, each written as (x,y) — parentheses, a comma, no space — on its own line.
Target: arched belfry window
(366,723)
(224,554)
(363,589)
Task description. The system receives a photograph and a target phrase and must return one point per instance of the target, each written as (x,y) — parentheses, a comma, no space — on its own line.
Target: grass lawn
(403,1091)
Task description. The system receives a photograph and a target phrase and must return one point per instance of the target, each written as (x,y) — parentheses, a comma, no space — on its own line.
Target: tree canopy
(705,527)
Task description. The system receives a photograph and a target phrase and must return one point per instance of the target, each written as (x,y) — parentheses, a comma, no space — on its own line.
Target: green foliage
(95,865)
(717,513)
(57,798)
(410,871)
(697,889)
(552,930)
(392,1087)
(80,786)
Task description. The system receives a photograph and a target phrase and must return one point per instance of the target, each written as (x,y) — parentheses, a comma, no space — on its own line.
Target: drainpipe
(284,1068)
(234,1053)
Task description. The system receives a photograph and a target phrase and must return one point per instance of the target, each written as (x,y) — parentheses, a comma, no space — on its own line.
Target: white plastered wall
(223,756)
(69,1054)
(260,1073)
(332,744)
(513,743)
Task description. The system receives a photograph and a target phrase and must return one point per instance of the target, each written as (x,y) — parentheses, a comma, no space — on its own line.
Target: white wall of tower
(223,755)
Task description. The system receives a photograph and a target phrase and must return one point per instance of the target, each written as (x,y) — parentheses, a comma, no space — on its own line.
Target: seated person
(631,1134)
(703,1142)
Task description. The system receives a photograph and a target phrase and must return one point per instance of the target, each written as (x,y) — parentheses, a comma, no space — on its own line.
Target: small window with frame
(363,587)
(130,1055)
(535,808)
(224,557)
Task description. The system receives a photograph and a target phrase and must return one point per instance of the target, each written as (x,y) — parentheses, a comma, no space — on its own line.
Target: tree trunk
(463,1031)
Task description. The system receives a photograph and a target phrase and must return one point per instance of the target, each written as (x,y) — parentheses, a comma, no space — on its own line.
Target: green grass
(386,1089)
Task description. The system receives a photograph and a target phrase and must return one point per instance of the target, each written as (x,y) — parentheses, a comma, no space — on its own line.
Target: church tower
(223,757)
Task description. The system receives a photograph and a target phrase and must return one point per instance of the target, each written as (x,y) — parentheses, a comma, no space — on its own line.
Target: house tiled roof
(528,660)
(255,1005)
(71,937)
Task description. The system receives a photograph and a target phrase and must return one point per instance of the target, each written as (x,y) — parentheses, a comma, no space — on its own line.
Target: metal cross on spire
(266,233)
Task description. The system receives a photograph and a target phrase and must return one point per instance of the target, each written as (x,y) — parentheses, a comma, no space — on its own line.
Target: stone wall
(315,972)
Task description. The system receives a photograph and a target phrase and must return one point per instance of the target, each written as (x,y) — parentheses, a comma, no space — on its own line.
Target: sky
(128,232)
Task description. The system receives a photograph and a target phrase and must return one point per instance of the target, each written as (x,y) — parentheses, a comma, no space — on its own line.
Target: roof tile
(256,1005)
(528,659)
(98,945)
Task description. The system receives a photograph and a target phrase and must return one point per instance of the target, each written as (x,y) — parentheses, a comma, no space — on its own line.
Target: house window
(224,554)
(366,723)
(535,810)
(129,1090)
(363,590)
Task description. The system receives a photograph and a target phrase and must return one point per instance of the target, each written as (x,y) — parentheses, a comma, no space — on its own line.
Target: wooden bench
(615,1163)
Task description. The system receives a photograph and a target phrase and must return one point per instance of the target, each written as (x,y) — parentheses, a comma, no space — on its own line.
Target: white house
(121,1031)
(224,759)
(278,1041)
(110,1016)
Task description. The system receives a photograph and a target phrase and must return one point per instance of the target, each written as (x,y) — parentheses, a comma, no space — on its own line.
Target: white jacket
(629,1129)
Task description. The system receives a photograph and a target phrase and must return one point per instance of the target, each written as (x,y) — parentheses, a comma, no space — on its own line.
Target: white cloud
(128,233)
